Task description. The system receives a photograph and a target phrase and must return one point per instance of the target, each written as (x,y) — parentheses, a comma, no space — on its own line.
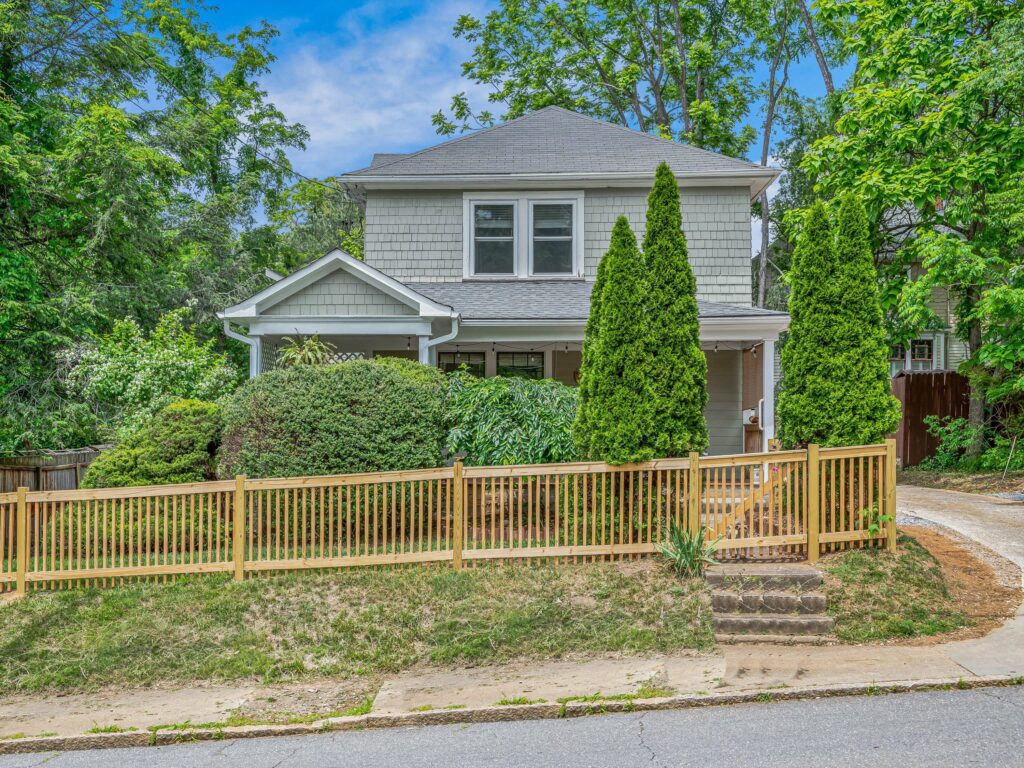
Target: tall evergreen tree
(615,402)
(676,368)
(835,385)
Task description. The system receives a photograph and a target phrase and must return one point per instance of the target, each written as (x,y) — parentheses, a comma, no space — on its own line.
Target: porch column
(768,392)
(424,350)
(255,357)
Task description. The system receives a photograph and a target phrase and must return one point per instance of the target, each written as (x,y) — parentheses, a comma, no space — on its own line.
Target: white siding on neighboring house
(724,413)
(418,236)
(339,293)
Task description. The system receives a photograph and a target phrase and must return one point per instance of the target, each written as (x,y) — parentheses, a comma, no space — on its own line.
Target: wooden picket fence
(786,505)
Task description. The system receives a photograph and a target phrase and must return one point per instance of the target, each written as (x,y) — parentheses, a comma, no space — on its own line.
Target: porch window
(453,361)
(919,355)
(523,365)
(552,244)
(494,239)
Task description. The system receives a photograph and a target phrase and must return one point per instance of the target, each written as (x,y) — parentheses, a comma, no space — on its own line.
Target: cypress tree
(835,386)
(614,401)
(676,368)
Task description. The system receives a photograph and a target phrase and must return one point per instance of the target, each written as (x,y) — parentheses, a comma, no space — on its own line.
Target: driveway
(998,524)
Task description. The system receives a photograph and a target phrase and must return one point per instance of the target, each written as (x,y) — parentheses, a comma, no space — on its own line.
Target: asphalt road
(982,727)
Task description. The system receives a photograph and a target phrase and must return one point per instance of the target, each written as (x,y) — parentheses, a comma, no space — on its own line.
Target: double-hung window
(524,235)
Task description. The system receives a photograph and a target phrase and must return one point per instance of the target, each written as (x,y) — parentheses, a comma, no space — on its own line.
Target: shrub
(614,413)
(358,416)
(177,446)
(510,420)
(131,376)
(835,385)
(308,351)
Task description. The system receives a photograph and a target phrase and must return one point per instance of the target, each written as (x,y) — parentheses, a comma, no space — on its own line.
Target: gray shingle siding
(417,236)
(339,293)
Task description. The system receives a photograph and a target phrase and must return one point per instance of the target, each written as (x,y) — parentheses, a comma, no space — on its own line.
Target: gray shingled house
(481,251)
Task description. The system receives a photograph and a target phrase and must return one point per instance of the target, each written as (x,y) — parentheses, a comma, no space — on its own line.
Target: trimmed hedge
(359,416)
(178,445)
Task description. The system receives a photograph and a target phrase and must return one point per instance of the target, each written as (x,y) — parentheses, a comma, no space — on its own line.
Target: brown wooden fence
(926,393)
(46,470)
(789,505)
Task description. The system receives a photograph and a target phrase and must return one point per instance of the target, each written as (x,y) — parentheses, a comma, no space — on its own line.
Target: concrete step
(723,639)
(763,576)
(772,624)
(730,601)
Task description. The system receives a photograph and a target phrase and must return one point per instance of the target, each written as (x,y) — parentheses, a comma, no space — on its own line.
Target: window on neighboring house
(919,356)
(552,238)
(524,235)
(524,365)
(453,361)
(494,239)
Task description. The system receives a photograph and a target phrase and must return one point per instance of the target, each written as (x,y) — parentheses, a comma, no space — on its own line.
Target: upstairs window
(494,239)
(523,235)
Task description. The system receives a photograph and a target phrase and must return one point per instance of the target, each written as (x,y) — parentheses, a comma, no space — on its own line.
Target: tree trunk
(762,263)
(812,37)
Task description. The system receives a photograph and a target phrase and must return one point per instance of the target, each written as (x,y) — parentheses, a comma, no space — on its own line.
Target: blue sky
(367,76)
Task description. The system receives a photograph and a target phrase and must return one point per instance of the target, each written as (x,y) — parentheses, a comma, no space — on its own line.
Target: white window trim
(522,231)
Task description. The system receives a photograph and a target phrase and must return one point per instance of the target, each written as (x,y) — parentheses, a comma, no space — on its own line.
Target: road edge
(487,715)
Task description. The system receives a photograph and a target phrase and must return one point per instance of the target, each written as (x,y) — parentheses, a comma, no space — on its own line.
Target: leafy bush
(358,416)
(177,446)
(510,420)
(131,376)
(955,437)
(688,555)
(308,351)
(995,458)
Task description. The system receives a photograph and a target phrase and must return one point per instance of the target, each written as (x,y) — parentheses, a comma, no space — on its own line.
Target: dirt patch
(642,565)
(985,595)
(294,702)
(968,482)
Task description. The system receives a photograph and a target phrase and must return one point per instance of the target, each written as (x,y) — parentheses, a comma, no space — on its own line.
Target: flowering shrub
(130,376)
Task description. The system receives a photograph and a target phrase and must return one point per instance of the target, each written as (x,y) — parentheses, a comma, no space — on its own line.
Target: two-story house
(482,251)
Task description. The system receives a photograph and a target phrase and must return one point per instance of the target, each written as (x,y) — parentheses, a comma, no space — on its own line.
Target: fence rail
(786,505)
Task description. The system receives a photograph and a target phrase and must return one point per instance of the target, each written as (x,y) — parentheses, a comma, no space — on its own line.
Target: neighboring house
(938,350)
(481,252)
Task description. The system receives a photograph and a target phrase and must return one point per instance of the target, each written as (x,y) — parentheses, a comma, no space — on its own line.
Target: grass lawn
(349,624)
(875,595)
(970,482)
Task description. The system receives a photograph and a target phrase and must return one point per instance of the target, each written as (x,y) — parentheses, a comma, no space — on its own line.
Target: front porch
(532,329)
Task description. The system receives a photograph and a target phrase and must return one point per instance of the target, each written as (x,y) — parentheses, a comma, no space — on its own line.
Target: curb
(486,715)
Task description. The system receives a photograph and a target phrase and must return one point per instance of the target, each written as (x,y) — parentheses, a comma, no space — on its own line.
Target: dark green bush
(177,445)
(359,416)
(510,420)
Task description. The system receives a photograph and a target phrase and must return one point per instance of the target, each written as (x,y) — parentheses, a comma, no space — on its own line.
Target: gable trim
(254,306)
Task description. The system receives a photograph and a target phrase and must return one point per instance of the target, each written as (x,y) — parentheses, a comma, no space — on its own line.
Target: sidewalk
(729,671)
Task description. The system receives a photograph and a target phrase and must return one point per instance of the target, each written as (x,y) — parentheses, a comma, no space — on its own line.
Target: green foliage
(682,73)
(177,445)
(614,413)
(358,416)
(675,366)
(688,554)
(304,351)
(835,386)
(314,217)
(955,436)
(929,135)
(129,376)
(510,420)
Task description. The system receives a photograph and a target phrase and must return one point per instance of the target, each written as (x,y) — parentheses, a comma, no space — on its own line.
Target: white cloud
(373,84)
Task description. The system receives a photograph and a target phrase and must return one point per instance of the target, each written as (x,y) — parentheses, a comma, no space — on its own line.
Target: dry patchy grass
(354,624)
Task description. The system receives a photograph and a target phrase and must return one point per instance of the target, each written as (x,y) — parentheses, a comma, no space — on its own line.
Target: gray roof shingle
(541,300)
(556,141)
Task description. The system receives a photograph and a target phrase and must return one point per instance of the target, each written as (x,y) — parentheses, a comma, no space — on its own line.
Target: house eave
(756,179)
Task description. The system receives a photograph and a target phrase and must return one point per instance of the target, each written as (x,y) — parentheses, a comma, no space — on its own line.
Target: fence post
(458,513)
(813,502)
(238,527)
(22,541)
(890,492)
(693,504)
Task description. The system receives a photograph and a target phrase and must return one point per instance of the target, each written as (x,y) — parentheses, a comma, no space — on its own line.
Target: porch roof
(546,300)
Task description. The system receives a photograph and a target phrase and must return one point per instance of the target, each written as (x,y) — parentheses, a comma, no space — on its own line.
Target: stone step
(763,576)
(772,624)
(729,601)
(723,639)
